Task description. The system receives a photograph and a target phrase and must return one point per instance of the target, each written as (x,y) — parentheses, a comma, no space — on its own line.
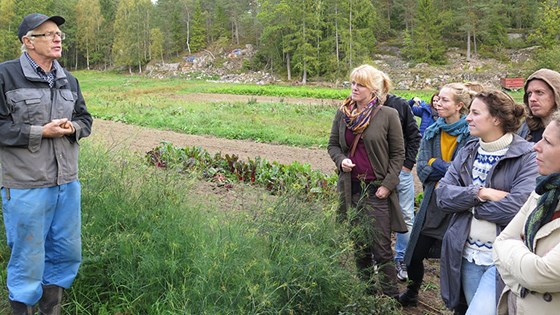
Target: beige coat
(538,272)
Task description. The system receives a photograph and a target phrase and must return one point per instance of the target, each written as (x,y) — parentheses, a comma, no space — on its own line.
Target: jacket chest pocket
(64,104)
(29,106)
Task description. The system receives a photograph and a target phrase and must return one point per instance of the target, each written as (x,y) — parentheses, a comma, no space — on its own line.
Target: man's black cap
(33,20)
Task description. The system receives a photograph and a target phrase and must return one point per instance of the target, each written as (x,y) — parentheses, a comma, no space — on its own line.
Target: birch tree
(88,21)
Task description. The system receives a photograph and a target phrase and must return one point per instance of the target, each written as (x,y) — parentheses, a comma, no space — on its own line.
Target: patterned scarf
(549,189)
(357,121)
(458,129)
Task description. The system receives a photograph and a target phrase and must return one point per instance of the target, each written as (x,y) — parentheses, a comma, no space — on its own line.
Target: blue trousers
(479,285)
(43,233)
(405,189)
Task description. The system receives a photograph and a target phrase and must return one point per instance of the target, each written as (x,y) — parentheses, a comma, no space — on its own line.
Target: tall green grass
(155,243)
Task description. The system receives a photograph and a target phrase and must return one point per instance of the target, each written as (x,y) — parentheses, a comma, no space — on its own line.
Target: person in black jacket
(405,188)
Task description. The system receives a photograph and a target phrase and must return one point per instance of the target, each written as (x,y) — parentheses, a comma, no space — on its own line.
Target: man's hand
(58,128)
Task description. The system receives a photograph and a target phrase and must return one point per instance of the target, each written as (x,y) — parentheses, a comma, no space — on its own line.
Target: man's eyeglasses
(51,35)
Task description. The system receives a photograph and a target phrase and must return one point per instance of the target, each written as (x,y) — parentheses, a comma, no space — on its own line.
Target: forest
(295,39)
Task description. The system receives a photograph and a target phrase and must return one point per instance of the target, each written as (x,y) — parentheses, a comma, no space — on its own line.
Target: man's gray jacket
(27,103)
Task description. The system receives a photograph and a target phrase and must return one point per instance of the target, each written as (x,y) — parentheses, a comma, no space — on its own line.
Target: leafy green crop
(225,170)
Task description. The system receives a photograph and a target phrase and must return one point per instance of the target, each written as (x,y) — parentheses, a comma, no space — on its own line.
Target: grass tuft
(154,244)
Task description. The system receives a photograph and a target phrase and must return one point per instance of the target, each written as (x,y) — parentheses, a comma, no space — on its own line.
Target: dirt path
(141,140)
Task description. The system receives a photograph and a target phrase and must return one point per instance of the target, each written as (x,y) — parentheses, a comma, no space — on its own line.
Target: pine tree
(303,38)
(275,16)
(425,42)
(492,33)
(197,40)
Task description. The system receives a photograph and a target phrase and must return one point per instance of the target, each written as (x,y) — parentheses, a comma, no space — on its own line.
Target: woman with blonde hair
(440,144)
(484,187)
(366,144)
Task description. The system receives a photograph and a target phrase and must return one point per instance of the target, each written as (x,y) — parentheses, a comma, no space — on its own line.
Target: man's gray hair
(23,47)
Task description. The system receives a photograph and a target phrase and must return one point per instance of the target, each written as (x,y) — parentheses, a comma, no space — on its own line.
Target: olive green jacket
(384,144)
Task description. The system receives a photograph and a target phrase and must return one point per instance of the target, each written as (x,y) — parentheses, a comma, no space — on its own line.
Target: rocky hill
(227,66)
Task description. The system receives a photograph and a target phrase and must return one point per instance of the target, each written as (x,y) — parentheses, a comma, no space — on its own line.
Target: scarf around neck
(458,129)
(549,189)
(355,120)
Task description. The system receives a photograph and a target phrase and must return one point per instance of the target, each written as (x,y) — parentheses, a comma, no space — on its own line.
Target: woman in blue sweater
(426,111)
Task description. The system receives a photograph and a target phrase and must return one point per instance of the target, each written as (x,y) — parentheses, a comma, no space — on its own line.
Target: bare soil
(140,139)
(135,139)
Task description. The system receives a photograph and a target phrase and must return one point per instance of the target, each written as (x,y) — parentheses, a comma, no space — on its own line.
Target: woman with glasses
(484,187)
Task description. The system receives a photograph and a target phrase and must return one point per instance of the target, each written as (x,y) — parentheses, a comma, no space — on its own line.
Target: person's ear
(28,42)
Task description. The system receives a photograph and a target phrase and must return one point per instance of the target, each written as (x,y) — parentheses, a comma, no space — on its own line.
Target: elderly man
(42,117)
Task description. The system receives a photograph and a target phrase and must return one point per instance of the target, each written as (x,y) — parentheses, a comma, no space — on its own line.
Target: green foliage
(219,24)
(548,58)
(304,40)
(158,244)
(418,199)
(276,90)
(426,44)
(225,170)
(132,33)
(547,30)
(9,45)
(492,32)
(171,18)
(156,44)
(88,22)
(522,13)
(196,41)
(317,38)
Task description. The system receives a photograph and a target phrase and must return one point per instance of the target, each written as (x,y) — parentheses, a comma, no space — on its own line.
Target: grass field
(157,103)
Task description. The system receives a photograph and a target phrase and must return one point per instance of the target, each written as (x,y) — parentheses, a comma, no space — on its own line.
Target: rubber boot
(409,297)
(19,308)
(51,301)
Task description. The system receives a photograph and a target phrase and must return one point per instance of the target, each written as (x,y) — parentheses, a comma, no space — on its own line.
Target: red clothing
(363,171)
(555,216)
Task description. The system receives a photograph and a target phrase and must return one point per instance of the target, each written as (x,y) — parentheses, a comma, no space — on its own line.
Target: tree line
(298,39)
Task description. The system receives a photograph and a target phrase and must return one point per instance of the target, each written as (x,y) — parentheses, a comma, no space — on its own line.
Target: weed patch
(151,246)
